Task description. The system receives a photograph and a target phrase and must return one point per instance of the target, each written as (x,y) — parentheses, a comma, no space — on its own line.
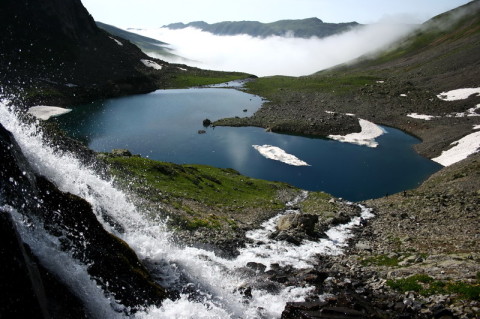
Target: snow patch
(116,41)
(403,95)
(43,112)
(182,69)
(367,136)
(470,112)
(459,94)
(151,64)
(464,147)
(277,154)
(421,116)
(476,127)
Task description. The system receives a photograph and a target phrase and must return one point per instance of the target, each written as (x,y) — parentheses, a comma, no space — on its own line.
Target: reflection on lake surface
(165,126)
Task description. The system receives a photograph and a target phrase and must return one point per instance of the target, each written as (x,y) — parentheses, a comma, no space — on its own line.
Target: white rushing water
(216,280)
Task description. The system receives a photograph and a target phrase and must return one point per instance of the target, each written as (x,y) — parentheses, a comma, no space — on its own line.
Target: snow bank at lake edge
(370,131)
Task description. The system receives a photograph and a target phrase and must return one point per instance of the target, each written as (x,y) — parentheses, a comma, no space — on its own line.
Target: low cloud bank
(276,55)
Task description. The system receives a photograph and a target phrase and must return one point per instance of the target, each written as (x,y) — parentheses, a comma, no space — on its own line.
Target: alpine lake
(167,125)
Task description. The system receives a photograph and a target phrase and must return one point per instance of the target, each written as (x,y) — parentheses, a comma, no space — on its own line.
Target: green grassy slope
(200,195)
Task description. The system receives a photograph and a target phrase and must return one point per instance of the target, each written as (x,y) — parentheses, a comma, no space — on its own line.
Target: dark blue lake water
(164,126)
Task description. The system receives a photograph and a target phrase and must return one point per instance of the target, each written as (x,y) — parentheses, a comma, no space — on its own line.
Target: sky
(156,13)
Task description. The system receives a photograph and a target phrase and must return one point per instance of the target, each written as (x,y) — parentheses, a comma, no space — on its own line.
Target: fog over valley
(275,55)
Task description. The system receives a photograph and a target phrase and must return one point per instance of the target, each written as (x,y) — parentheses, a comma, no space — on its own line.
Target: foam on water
(214,279)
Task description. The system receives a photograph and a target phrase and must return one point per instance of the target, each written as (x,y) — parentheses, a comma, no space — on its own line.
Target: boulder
(299,222)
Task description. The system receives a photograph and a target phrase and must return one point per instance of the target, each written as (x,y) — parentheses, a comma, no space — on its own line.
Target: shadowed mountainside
(56,43)
(51,51)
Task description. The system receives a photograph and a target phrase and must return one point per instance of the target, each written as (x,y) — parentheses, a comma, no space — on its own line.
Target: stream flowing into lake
(209,284)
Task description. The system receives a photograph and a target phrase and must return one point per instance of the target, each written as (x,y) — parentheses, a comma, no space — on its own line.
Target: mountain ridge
(303,28)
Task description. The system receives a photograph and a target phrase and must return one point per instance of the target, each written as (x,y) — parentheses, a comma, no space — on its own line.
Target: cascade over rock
(111,262)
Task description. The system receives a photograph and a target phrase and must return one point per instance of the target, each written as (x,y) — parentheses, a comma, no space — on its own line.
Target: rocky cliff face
(55,50)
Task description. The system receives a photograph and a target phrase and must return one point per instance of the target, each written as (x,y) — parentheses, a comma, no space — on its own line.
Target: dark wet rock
(28,290)
(201,132)
(207,122)
(333,308)
(258,267)
(294,238)
(443,314)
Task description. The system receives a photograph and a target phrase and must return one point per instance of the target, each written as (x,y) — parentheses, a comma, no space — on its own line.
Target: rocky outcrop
(298,117)
(109,260)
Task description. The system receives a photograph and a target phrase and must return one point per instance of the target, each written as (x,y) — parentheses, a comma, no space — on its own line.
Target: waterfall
(209,284)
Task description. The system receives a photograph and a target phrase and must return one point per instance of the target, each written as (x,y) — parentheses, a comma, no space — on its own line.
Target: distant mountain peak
(302,28)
